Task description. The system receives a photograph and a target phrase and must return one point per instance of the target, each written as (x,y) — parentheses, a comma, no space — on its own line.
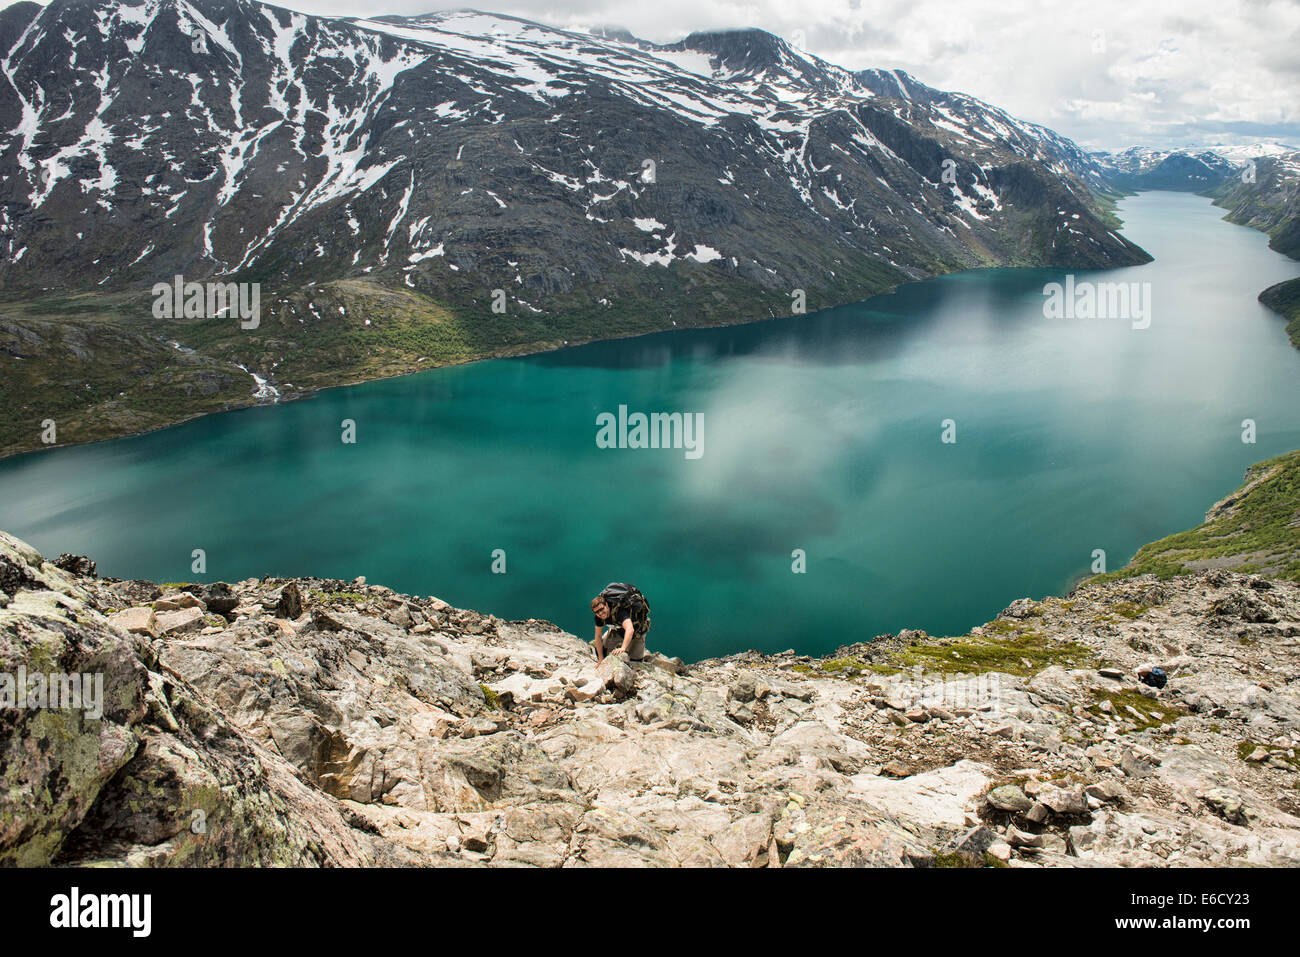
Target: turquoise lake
(820,433)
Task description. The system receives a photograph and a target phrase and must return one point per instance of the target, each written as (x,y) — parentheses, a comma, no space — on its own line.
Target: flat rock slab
(938,798)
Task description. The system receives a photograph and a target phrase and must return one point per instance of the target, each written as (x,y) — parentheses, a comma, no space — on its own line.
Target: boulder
(75,565)
(220,599)
(136,621)
(974,843)
(177,601)
(1064,800)
(936,798)
(1056,686)
(152,775)
(616,674)
(171,623)
(1008,797)
(1020,608)
(1229,805)
(290,604)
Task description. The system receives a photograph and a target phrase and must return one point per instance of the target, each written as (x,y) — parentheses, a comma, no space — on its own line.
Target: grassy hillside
(101,365)
(1255,529)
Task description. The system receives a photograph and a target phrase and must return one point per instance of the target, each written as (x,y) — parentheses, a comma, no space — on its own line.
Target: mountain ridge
(386,181)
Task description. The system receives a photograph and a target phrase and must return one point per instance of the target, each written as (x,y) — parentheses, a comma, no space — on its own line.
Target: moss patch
(337,596)
(1151,713)
(967,861)
(1023,653)
(1128,609)
(1248,747)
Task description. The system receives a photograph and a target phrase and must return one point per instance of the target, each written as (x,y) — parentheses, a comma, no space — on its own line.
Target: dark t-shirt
(616,617)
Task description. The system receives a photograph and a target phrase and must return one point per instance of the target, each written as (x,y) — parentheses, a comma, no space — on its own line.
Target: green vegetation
(1248,747)
(1151,713)
(1106,200)
(492,698)
(102,365)
(1128,609)
(1256,528)
(1011,647)
(328,596)
(967,860)
(839,664)
(1021,653)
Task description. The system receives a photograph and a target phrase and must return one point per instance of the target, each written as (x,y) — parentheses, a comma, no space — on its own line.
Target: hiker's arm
(600,650)
(627,635)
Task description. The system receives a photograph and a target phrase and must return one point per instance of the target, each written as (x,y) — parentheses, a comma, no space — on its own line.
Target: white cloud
(1109,73)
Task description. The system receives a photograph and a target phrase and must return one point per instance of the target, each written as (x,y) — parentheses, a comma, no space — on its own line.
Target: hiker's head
(599,607)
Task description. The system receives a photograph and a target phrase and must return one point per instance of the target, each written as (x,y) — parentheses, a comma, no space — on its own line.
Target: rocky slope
(1270,203)
(382,178)
(338,723)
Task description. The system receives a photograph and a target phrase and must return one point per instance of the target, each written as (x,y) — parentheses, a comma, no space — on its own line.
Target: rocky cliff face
(320,722)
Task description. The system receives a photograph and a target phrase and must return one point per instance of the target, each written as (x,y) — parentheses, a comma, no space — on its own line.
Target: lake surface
(821,433)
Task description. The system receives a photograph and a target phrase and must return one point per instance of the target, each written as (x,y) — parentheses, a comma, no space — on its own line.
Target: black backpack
(623,595)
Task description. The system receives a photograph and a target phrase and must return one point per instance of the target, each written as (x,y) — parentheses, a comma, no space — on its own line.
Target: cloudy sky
(1109,73)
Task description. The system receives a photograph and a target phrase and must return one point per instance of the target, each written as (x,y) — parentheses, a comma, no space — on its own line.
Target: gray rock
(1229,805)
(177,602)
(1064,800)
(1018,838)
(974,843)
(1020,608)
(744,688)
(171,623)
(1107,792)
(1008,797)
(219,598)
(1138,762)
(290,603)
(1055,685)
(616,674)
(136,621)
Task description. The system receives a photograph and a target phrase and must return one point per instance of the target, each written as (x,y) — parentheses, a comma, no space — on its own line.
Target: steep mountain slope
(1270,203)
(437,165)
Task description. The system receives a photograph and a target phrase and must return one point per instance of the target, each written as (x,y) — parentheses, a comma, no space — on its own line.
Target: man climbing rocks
(622,620)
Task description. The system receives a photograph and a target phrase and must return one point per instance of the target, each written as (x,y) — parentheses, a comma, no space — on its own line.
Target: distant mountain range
(1258,184)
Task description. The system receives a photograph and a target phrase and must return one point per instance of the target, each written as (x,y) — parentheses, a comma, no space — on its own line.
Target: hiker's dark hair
(598,600)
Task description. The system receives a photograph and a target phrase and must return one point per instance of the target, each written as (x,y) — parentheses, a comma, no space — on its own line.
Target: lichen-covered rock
(140,770)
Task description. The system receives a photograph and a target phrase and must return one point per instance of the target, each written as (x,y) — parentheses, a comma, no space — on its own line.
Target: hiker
(622,620)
